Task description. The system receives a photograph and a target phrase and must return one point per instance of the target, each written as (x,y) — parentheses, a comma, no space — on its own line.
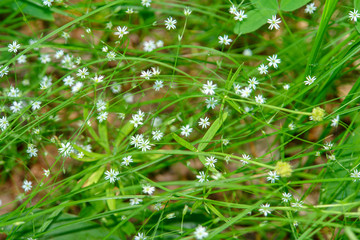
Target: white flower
(59,54)
(200,232)
(136,140)
(129,11)
(146,3)
(253,82)
(135,201)
(80,155)
(245,93)
(4,70)
(115,88)
(66,149)
(3,123)
(14,92)
(273,61)
(111,56)
(46,172)
(355,175)
(109,25)
(264,209)
(245,159)
(35,105)
(187,11)
(274,22)
(209,88)
(159,44)
(77,87)
(45,58)
(140,236)
(170,23)
(260,99)
(146,74)
(202,177)
(82,73)
(225,40)
(144,145)
(263,69)
(292,126)
(21,59)
(148,189)
(309,80)
(149,46)
(27,185)
(158,85)
(286,197)
(286,86)
(121,31)
(272,177)
(47,2)
(186,130)
(328,145)
(98,79)
(13,47)
(354,15)
(240,15)
(157,135)
(102,117)
(210,161)
(16,107)
(247,52)
(100,105)
(155,71)
(211,102)
(111,175)
(32,151)
(335,121)
(297,203)
(127,160)
(204,122)
(310,8)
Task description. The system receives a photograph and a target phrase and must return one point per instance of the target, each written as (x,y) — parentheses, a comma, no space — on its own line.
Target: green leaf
(123,132)
(209,135)
(256,19)
(103,132)
(217,213)
(266,4)
(89,156)
(184,143)
(110,202)
(33,8)
(231,78)
(291,5)
(94,178)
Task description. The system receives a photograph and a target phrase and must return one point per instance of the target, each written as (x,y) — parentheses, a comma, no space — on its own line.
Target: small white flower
(21,59)
(16,107)
(140,236)
(148,189)
(247,52)
(77,87)
(46,172)
(144,145)
(335,121)
(80,155)
(146,74)
(170,23)
(157,135)
(66,149)
(102,117)
(355,175)
(82,73)
(240,15)
(232,9)
(59,54)
(200,232)
(211,102)
(204,122)
(32,151)
(3,123)
(146,3)
(272,177)
(45,58)
(274,22)
(286,197)
(111,175)
(209,88)
(129,11)
(186,130)
(264,209)
(328,145)
(187,11)
(158,85)
(135,201)
(273,61)
(260,99)
(35,105)
(98,79)
(48,2)
(309,80)
(13,47)
(263,69)
(27,185)
(111,56)
(286,86)
(297,203)
(121,31)
(310,8)
(4,70)
(253,83)
(245,159)
(354,15)
(202,177)
(127,160)
(225,40)
(210,161)
(245,93)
